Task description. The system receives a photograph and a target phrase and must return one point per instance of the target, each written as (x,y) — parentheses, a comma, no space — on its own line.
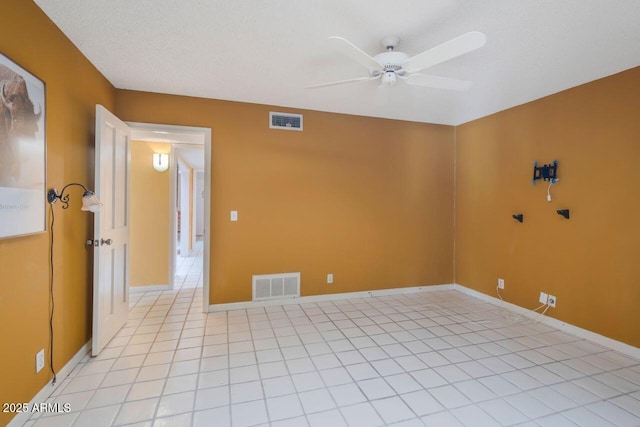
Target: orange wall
(589,262)
(149,229)
(366,199)
(73,88)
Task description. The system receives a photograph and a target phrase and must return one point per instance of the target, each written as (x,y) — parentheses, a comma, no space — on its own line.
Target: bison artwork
(18,121)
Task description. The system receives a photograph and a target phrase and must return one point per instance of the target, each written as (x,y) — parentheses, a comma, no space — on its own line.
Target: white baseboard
(623,348)
(326,297)
(48,388)
(148,288)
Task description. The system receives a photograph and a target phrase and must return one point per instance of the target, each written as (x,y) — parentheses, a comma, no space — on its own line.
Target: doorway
(189,208)
(189,177)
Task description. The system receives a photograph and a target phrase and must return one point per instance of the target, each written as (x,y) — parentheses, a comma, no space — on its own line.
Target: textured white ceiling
(267,51)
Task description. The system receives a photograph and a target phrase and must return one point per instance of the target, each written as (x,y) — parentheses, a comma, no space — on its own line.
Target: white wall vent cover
(276,286)
(285,121)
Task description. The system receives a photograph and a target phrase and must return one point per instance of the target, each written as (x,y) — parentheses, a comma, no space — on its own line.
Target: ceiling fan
(391,65)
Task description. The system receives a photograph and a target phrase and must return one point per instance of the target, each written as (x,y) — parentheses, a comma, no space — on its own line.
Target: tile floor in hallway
(438,358)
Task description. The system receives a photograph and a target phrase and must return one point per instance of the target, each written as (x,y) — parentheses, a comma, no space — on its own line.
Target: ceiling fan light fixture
(389,78)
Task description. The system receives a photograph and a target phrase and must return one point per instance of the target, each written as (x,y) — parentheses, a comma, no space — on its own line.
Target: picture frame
(22,151)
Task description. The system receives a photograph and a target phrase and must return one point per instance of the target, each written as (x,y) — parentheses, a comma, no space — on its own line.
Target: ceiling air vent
(285,121)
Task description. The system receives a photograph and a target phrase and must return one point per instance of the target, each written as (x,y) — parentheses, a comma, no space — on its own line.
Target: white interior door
(111,229)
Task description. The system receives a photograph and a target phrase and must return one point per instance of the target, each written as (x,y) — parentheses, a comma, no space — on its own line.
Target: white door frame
(161,131)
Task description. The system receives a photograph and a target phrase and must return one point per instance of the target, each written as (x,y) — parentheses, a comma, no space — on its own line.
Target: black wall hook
(518,217)
(563,212)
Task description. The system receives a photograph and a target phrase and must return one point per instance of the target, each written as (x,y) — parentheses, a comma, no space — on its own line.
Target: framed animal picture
(22,151)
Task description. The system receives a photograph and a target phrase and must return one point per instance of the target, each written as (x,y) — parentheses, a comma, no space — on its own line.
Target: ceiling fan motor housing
(391,61)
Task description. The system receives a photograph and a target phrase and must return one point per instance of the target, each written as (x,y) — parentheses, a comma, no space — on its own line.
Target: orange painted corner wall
(369,200)
(149,216)
(589,262)
(73,87)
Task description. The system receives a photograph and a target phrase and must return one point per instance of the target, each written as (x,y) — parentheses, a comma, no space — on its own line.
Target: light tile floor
(437,359)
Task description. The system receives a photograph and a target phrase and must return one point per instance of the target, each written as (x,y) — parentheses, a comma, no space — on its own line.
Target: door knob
(105,242)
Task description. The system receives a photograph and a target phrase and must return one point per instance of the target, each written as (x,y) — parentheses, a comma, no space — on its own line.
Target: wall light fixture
(90,202)
(160,161)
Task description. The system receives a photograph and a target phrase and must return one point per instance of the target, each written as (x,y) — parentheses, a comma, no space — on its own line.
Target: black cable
(51,298)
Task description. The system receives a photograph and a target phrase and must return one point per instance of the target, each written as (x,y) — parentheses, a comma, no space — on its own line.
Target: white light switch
(234,215)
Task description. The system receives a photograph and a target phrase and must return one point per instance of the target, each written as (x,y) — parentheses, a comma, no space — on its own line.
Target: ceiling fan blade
(446,51)
(354,52)
(438,82)
(341,82)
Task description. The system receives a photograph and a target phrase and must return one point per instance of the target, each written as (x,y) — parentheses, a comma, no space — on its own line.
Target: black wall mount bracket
(545,172)
(563,212)
(518,217)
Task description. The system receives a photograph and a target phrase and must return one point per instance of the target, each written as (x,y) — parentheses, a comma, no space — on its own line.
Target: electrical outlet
(234,216)
(500,283)
(551,301)
(543,298)
(330,278)
(39,360)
